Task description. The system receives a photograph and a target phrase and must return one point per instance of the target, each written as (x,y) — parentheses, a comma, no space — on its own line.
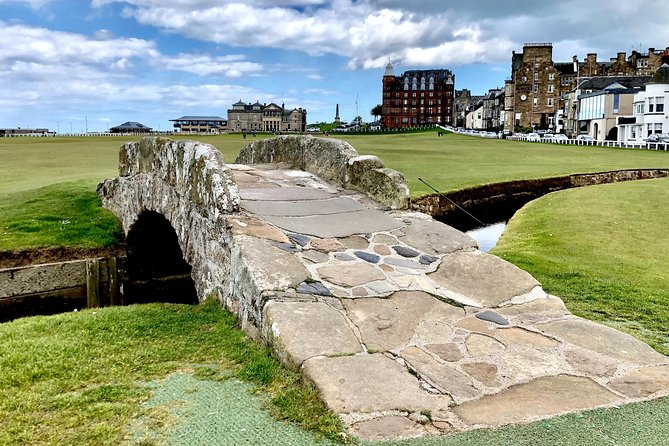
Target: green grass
(79,378)
(644,424)
(602,249)
(63,214)
(455,162)
(31,163)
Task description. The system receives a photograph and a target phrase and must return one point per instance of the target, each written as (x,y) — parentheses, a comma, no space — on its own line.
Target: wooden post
(93,283)
(112,274)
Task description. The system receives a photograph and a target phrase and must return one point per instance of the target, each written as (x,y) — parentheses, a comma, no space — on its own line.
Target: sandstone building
(417,97)
(534,94)
(266,118)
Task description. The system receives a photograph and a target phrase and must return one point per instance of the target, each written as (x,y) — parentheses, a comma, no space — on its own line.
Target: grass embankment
(63,214)
(602,249)
(455,161)
(79,378)
(47,189)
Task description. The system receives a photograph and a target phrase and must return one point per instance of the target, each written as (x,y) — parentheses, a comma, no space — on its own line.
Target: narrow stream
(487,236)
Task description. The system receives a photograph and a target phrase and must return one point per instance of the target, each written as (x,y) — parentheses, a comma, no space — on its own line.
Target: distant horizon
(111,61)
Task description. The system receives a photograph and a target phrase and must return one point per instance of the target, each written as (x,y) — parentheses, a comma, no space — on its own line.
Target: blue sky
(65,63)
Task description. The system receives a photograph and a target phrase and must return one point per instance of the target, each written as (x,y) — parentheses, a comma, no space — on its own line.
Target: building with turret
(417,97)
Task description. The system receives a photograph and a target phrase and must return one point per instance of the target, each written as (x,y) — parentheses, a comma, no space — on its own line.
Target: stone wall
(334,161)
(188,183)
(499,201)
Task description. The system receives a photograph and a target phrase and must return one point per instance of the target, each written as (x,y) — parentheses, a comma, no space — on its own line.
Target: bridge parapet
(334,161)
(189,184)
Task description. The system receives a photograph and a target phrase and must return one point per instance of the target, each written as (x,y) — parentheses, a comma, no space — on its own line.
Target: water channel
(487,236)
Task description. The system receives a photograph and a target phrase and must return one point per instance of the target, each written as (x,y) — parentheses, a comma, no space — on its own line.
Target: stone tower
(336,119)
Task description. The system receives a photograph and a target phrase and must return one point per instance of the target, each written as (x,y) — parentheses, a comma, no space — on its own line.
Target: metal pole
(451,201)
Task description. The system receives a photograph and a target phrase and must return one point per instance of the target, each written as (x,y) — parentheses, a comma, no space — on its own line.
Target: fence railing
(581,142)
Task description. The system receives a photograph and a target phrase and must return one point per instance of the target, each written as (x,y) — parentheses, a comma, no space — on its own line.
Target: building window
(535,88)
(658,127)
(659,104)
(535,102)
(523,79)
(616,103)
(651,105)
(406,86)
(536,77)
(551,76)
(551,88)
(549,102)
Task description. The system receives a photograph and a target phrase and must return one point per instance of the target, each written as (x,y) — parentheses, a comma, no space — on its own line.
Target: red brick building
(417,97)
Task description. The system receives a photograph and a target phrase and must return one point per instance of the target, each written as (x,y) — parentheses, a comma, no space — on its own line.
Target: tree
(376,111)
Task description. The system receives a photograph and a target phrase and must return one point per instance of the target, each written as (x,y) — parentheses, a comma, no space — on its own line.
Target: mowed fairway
(455,162)
(30,163)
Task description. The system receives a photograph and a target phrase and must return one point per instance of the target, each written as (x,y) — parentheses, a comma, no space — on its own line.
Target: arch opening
(156,269)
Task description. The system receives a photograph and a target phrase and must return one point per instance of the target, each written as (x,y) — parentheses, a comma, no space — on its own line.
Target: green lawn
(457,161)
(80,378)
(603,249)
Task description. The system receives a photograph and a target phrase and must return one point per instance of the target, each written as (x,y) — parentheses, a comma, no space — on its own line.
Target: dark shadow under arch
(156,269)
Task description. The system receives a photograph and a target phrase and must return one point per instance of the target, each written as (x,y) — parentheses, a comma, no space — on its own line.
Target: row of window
(414,110)
(413,102)
(413,95)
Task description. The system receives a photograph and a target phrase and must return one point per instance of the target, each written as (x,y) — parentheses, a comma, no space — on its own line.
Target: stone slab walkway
(407,329)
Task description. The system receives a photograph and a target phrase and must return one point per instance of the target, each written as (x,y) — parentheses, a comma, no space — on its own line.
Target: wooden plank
(41,278)
(93,283)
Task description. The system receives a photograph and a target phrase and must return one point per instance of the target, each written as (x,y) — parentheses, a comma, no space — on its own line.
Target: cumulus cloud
(359,30)
(43,67)
(205,65)
(430,32)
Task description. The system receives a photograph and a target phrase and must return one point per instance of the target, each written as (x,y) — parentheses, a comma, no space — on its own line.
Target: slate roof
(132,126)
(601,82)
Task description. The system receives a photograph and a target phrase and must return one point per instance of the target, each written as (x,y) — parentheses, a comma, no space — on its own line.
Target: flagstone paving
(407,329)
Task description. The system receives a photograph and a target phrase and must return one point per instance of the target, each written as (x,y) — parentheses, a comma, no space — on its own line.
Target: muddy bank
(35,256)
(497,202)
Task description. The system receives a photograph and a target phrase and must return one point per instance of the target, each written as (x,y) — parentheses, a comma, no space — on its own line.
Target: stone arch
(190,187)
(156,270)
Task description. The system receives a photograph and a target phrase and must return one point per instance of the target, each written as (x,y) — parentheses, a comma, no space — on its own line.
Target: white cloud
(204,65)
(432,32)
(33,4)
(359,30)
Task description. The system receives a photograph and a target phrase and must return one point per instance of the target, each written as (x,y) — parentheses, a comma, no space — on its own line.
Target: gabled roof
(131,125)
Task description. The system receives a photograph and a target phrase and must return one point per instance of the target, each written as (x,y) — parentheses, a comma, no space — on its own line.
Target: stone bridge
(405,327)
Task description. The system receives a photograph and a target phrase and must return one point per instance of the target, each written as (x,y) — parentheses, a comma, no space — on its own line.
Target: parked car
(533,137)
(585,137)
(548,136)
(658,138)
(560,137)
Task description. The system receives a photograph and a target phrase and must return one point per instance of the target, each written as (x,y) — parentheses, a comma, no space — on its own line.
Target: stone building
(417,97)
(266,118)
(538,86)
